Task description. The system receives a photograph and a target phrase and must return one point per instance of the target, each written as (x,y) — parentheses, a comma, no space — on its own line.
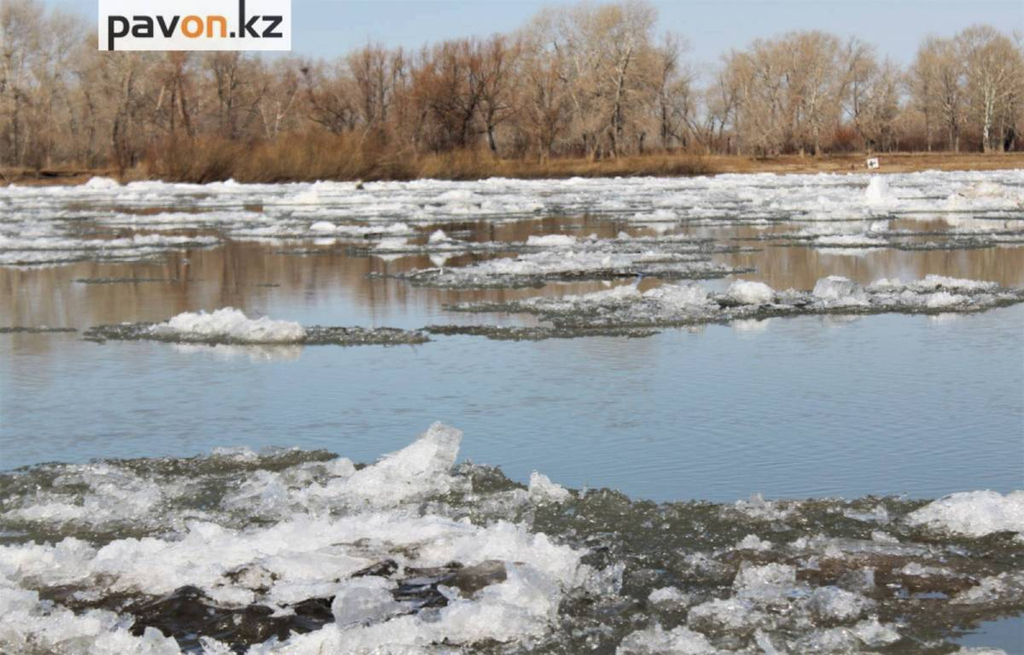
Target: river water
(807,418)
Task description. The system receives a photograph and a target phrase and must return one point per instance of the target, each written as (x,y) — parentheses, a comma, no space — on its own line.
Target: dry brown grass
(320,157)
(323,157)
(898,162)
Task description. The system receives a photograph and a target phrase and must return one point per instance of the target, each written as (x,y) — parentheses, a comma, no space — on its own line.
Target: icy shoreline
(297,552)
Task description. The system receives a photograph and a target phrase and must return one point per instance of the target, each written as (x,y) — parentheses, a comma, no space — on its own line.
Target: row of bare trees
(593,80)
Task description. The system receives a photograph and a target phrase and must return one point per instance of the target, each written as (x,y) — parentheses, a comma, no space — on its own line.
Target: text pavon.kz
(195,25)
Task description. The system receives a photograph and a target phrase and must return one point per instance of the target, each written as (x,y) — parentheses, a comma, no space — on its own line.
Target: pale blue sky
(326,28)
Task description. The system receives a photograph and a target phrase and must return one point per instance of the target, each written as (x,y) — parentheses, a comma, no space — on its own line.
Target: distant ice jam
(195,25)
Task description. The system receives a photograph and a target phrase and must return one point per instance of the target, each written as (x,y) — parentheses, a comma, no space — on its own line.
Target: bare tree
(235,80)
(329,96)
(673,89)
(994,74)
(499,59)
(940,75)
(277,97)
(759,78)
(543,96)
(21,25)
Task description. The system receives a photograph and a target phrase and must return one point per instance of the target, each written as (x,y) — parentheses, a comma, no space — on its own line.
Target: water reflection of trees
(255,277)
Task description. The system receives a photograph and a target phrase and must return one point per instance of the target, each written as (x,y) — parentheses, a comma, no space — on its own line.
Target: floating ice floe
(49,250)
(37,329)
(534,269)
(126,280)
(667,247)
(627,308)
(852,240)
(290,551)
(229,326)
(536,333)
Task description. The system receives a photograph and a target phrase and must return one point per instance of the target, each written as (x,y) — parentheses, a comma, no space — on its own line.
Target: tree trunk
(928,131)
(490,139)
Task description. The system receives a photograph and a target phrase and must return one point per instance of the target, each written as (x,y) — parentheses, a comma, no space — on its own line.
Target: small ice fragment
(941,299)
(877,192)
(838,290)
(861,581)
(213,647)
(438,236)
(994,588)
(877,514)
(765,582)
(935,282)
(730,614)
(392,243)
(973,513)
(451,593)
(875,634)
(542,489)
(103,183)
(751,293)
(658,641)
(363,600)
(883,537)
(838,604)
(421,467)
(677,296)
(753,542)
(919,570)
(670,596)
(323,226)
(551,241)
(764,642)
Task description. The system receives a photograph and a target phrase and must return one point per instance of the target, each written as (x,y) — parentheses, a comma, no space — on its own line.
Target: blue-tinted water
(888,404)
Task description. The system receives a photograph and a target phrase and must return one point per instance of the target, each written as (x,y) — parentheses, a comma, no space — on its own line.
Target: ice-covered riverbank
(295,551)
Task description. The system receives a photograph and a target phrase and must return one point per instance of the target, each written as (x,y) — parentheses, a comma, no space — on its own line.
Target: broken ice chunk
(838,290)
(542,489)
(364,600)
(973,513)
(750,293)
(658,641)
